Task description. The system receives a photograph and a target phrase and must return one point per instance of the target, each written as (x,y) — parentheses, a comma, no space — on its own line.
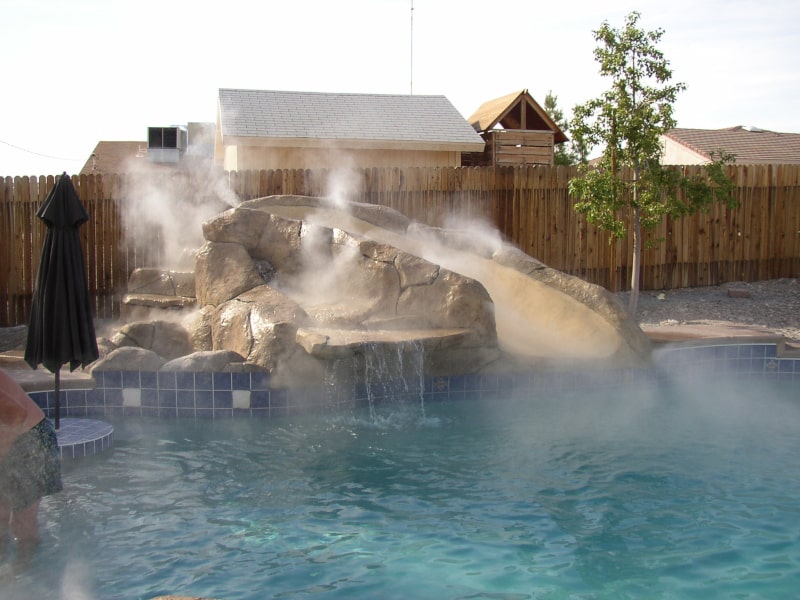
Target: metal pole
(58,399)
(411,90)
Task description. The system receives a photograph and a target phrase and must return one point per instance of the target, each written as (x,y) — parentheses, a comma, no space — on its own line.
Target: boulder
(223,271)
(451,301)
(129,358)
(260,325)
(414,270)
(165,338)
(263,236)
(198,325)
(381,216)
(161,282)
(211,361)
(239,225)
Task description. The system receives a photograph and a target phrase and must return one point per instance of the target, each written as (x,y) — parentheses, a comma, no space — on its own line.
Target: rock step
(158,300)
(142,305)
(167,282)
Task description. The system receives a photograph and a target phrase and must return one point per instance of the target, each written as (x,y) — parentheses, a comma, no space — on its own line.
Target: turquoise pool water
(668,493)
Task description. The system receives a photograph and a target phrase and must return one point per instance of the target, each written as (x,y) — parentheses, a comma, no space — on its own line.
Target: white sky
(75,73)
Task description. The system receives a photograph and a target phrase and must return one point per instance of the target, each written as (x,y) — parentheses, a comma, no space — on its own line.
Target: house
(517,131)
(265,129)
(166,148)
(115,157)
(748,145)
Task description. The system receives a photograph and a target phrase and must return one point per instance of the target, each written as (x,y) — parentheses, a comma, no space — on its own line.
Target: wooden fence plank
(529,205)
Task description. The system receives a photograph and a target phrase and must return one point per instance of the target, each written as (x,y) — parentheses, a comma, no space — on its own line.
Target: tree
(628,121)
(568,153)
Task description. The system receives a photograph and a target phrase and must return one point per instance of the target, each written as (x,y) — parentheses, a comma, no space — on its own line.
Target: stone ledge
(158,300)
(716,331)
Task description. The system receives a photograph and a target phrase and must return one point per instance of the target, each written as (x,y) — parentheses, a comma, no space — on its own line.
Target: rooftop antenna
(411,90)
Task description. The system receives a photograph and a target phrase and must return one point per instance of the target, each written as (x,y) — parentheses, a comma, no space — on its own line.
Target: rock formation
(301,287)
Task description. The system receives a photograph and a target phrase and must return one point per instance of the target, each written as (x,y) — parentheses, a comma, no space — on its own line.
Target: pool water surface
(657,493)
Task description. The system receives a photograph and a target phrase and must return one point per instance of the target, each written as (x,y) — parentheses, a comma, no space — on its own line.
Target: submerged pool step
(83,437)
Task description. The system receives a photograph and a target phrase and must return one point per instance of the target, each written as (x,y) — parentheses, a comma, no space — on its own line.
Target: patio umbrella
(61,327)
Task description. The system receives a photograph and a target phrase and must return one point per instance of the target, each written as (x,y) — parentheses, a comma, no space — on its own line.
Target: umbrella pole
(58,400)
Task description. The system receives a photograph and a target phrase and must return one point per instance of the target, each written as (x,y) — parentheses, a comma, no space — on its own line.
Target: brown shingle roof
(121,157)
(748,145)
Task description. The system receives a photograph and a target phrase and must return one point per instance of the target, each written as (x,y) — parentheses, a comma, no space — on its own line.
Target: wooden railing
(529,206)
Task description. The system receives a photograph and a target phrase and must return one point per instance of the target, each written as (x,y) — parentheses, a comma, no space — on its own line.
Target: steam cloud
(164,212)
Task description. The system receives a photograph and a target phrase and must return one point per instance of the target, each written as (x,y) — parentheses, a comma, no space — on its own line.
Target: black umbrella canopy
(61,326)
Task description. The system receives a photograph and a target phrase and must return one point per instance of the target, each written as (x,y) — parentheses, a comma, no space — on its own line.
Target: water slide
(533,319)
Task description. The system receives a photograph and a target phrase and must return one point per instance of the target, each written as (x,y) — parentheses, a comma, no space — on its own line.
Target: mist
(164,210)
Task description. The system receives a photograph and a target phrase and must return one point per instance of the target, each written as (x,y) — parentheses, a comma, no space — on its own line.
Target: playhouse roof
(517,110)
(286,115)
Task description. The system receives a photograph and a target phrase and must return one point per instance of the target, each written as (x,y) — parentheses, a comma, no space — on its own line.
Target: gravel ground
(774,304)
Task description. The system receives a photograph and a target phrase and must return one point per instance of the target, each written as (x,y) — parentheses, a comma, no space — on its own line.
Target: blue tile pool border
(226,395)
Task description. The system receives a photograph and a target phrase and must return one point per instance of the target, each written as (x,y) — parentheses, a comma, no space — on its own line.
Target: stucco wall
(243,158)
(676,154)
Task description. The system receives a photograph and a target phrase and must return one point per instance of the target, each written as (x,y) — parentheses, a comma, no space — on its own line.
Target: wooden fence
(529,206)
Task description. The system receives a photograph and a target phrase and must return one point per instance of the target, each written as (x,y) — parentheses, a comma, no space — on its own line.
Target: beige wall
(676,154)
(244,158)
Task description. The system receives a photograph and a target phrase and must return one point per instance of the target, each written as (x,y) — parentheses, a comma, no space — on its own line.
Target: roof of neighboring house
(356,118)
(517,110)
(114,157)
(749,145)
(127,156)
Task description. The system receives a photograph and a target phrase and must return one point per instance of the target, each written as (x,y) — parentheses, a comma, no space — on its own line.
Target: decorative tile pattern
(225,395)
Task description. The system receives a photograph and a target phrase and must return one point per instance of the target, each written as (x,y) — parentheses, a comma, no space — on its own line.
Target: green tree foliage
(627,121)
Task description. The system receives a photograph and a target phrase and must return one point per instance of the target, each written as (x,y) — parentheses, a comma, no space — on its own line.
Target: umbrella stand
(58,400)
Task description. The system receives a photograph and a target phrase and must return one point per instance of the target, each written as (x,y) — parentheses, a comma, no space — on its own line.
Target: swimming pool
(671,491)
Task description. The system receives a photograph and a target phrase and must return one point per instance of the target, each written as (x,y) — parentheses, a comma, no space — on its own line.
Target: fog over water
(685,488)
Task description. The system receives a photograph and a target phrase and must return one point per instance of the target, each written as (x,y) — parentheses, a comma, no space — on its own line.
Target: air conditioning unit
(166,144)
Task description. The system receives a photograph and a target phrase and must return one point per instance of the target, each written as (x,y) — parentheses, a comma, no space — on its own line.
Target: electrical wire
(39,153)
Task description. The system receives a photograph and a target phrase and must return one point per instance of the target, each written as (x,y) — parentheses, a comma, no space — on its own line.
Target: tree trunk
(636,261)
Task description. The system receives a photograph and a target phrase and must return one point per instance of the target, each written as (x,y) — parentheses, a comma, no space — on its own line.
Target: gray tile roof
(749,145)
(355,117)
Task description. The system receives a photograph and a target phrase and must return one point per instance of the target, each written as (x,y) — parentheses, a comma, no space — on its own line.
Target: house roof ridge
(317,93)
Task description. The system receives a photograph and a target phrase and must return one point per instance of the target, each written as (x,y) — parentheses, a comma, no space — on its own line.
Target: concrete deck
(42,380)
(695,334)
